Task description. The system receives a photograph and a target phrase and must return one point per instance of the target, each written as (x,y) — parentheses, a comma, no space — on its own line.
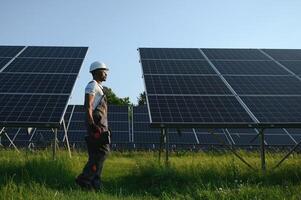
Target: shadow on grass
(158,180)
(55,174)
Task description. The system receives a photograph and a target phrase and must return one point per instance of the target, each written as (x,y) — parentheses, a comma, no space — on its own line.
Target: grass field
(138,175)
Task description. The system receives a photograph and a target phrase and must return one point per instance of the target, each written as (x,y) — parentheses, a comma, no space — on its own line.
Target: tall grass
(138,175)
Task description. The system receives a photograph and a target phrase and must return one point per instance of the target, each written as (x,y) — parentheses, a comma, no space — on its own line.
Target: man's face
(102,74)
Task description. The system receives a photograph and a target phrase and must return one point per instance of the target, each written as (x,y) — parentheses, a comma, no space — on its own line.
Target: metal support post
(66,138)
(166,146)
(287,155)
(262,153)
(6,135)
(161,143)
(230,147)
(54,143)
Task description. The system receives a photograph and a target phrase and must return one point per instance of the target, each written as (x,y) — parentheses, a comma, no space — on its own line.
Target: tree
(113,99)
(142,99)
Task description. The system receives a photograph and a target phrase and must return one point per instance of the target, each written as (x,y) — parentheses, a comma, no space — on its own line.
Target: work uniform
(91,175)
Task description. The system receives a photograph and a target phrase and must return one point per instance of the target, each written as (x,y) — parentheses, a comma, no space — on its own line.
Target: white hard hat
(98,65)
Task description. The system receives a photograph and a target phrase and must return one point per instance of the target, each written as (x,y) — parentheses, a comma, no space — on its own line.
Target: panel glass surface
(275,109)
(284,54)
(294,66)
(235,54)
(170,53)
(245,139)
(3,62)
(164,84)
(209,139)
(36,83)
(10,51)
(197,109)
(45,65)
(54,52)
(118,109)
(32,108)
(176,67)
(276,85)
(249,67)
(278,140)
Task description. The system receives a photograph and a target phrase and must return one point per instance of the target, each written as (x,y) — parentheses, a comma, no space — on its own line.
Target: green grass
(137,175)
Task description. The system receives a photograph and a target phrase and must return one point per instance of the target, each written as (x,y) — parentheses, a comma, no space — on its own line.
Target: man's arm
(89,99)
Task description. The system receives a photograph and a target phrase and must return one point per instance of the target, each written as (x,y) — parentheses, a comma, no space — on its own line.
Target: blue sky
(113,30)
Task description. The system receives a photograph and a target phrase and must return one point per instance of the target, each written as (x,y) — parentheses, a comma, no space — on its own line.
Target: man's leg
(100,159)
(89,171)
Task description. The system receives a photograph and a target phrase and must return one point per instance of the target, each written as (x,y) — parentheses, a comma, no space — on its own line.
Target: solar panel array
(145,136)
(36,83)
(142,136)
(118,121)
(232,88)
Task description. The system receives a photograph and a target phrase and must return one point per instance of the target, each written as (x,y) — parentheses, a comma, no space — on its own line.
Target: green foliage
(113,99)
(141,99)
(138,175)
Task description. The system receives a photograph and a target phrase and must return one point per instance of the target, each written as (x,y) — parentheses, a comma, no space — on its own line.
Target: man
(98,134)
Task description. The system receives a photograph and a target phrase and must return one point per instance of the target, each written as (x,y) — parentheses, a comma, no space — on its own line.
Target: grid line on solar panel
(275,109)
(277,85)
(234,54)
(3,62)
(294,66)
(176,67)
(45,65)
(36,83)
(170,53)
(17,108)
(284,54)
(10,51)
(249,67)
(164,84)
(54,52)
(197,109)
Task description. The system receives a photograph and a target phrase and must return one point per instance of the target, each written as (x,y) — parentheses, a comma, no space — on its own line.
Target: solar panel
(10,51)
(270,85)
(143,133)
(278,140)
(3,62)
(275,109)
(249,88)
(177,67)
(167,84)
(170,53)
(31,110)
(234,54)
(54,52)
(209,139)
(118,121)
(284,54)
(36,83)
(197,110)
(45,65)
(35,92)
(294,66)
(249,67)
